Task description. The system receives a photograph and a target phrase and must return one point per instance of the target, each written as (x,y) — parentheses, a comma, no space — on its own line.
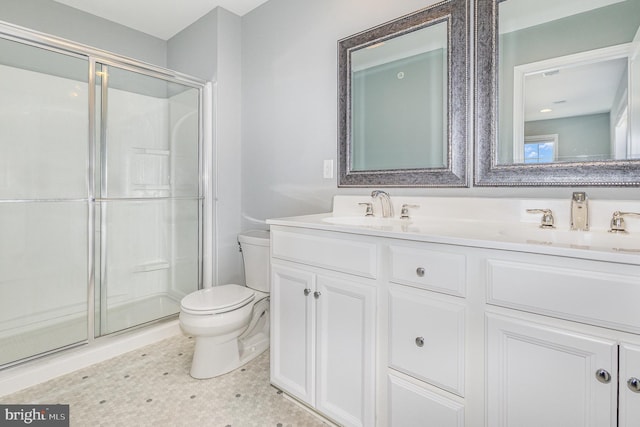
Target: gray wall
(289,108)
(289,101)
(210,49)
(63,21)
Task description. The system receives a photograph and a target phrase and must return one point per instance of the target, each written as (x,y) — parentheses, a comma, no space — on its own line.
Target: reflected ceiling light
(546,110)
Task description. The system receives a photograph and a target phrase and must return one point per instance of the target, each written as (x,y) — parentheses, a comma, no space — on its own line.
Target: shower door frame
(206,207)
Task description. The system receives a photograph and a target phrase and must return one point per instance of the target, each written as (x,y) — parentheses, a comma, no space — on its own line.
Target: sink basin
(365,221)
(482,230)
(466,229)
(576,239)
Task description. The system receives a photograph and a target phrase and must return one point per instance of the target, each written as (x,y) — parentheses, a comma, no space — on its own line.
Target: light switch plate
(327,171)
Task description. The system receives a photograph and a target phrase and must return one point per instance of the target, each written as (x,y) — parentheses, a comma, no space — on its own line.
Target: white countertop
(472,222)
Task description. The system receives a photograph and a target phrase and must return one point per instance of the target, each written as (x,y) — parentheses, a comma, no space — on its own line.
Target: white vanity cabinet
(323,343)
(426,344)
(413,329)
(629,386)
(550,370)
(426,334)
(545,376)
(541,375)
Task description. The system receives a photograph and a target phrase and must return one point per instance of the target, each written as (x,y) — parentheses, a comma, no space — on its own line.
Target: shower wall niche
(101,194)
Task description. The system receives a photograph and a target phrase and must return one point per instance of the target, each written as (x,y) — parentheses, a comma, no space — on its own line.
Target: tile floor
(152,387)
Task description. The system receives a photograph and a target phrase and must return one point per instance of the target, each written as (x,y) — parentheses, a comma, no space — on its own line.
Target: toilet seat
(217,299)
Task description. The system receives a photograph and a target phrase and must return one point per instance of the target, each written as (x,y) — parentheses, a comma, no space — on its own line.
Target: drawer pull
(603,376)
(634,384)
(316,294)
(420,342)
(420,271)
(307,291)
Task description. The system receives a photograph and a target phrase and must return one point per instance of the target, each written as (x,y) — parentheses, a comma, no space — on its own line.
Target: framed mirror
(402,108)
(557,93)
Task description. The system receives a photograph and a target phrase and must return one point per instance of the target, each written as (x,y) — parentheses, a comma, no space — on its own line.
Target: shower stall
(101,193)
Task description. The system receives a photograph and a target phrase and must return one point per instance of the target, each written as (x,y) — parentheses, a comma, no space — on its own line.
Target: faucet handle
(369,208)
(617,222)
(547,217)
(404,210)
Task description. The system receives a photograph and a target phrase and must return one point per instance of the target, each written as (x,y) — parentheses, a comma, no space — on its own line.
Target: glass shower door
(44,200)
(148,238)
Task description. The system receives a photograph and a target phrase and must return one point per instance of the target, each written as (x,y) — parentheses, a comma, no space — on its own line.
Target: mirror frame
(455,13)
(487,171)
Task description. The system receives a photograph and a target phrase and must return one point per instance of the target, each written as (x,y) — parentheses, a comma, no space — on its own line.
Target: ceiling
(159,18)
(561,92)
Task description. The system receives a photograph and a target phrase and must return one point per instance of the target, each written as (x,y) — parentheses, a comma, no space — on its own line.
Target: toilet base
(212,358)
(252,348)
(230,346)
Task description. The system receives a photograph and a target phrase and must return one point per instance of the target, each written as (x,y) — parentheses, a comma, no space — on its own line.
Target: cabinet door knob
(634,384)
(307,291)
(420,341)
(603,376)
(316,294)
(420,271)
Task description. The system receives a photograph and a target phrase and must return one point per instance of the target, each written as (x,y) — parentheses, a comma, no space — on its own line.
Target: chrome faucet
(547,217)
(385,202)
(617,222)
(579,211)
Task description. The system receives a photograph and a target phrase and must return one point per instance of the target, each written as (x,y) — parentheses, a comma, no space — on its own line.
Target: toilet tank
(255,252)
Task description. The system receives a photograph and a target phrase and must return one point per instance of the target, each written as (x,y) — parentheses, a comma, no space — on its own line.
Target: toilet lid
(217,299)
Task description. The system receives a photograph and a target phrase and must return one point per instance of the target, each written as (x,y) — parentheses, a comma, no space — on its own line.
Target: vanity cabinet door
(292,332)
(323,343)
(543,376)
(345,357)
(629,385)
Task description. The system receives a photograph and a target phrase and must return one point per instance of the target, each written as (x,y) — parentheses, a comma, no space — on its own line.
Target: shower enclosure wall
(101,193)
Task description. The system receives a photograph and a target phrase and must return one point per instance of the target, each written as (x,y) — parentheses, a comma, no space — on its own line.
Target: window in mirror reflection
(399,102)
(570,68)
(540,148)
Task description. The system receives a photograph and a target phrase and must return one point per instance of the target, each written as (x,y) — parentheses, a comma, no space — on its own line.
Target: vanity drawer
(334,253)
(435,270)
(592,292)
(412,404)
(426,337)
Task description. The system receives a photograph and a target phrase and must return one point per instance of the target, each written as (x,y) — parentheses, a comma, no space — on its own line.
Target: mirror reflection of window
(540,148)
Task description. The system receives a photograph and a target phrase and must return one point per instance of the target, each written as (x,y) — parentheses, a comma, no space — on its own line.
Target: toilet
(230,323)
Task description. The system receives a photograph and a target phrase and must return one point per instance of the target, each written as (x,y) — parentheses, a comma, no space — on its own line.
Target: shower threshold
(56,334)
